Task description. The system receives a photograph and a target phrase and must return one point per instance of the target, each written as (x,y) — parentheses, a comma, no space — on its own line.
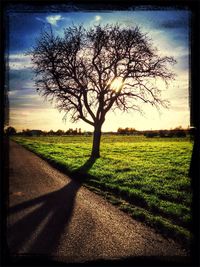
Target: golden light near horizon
(116,84)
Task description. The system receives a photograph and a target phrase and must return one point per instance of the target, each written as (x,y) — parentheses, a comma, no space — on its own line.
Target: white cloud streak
(97,18)
(39,19)
(19,61)
(53,19)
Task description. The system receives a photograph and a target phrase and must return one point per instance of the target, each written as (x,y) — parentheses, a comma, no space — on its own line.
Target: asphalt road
(51,214)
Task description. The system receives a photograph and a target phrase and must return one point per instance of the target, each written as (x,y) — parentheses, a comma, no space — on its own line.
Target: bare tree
(89,72)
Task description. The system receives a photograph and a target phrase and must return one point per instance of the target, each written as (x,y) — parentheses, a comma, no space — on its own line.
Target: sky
(169,31)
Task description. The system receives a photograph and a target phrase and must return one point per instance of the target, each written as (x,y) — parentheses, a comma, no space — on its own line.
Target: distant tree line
(176,132)
(128,131)
(12,131)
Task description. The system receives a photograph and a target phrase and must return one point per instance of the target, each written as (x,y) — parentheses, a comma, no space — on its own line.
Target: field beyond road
(146,177)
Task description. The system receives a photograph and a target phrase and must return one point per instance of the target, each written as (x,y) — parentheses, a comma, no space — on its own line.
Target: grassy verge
(148,178)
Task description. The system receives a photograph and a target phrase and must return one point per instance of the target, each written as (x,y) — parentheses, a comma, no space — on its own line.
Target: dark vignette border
(10,6)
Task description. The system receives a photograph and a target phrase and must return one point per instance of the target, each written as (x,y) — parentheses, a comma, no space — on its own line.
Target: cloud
(12,93)
(174,24)
(29,117)
(20,73)
(97,18)
(20,79)
(53,19)
(29,99)
(167,45)
(183,63)
(19,61)
(39,19)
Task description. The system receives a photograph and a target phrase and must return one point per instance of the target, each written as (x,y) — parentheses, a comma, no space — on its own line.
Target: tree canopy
(88,72)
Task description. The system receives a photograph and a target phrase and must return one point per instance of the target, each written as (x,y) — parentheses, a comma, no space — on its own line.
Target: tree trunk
(96,142)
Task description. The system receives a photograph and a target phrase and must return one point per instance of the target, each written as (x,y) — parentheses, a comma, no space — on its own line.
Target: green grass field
(146,177)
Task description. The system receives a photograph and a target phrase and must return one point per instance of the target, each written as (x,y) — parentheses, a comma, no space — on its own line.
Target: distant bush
(127,131)
(150,134)
(176,132)
(10,131)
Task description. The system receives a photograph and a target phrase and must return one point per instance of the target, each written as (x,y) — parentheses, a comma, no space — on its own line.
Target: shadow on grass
(86,166)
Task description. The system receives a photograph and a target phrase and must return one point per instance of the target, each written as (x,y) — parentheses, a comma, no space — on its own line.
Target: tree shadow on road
(45,217)
(41,227)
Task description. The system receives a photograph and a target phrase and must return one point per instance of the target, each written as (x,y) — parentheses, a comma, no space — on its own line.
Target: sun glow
(116,84)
